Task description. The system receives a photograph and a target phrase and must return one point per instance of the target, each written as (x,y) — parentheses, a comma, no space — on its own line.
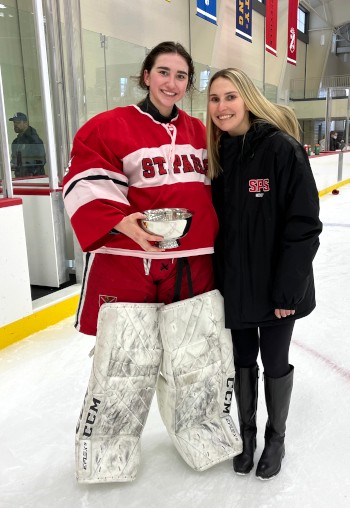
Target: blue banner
(206,9)
(244,19)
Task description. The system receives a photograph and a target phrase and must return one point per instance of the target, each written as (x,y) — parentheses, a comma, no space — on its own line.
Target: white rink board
(15,296)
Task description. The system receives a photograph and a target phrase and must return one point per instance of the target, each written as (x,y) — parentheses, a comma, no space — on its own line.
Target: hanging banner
(271,26)
(292,32)
(244,19)
(206,9)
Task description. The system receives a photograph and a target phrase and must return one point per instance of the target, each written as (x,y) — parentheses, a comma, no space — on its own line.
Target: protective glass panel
(22,95)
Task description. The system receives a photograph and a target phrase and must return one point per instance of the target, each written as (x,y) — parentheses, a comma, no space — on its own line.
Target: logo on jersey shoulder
(259,186)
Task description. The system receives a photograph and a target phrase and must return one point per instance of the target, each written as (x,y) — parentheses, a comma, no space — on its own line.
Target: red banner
(271,26)
(292,32)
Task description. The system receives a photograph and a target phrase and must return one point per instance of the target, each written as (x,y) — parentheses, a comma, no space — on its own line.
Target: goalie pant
(121,387)
(194,407)
(195,384)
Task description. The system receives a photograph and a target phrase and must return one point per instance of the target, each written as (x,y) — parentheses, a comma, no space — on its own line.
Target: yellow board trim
(332,187)
(37,321)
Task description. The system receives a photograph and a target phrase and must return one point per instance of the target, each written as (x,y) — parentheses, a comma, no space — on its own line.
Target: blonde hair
(260,109)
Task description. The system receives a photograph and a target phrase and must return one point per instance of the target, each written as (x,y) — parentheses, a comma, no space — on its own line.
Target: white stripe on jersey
(83,192)
(136,163)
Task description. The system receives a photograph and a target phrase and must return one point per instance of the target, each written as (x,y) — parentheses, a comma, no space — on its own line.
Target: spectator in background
(342,145)
(322,144)
(333,143)
(27,150)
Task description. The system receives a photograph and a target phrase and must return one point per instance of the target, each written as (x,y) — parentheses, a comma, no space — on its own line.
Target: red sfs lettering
(259,185)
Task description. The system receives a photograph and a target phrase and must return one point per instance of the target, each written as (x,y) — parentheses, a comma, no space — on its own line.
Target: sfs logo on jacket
(259,186)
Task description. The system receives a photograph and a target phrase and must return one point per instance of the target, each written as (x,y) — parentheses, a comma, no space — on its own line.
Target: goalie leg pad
(194,388)
(125,368)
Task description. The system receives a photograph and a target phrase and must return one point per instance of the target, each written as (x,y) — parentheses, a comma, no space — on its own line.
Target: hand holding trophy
(170,223)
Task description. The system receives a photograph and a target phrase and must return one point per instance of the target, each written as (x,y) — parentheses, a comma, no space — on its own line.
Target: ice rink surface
(43,380)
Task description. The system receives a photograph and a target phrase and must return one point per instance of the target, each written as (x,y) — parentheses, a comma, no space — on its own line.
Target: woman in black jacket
(333,141)
(267,204)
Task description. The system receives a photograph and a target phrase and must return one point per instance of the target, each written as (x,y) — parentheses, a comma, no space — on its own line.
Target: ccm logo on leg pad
(91,417)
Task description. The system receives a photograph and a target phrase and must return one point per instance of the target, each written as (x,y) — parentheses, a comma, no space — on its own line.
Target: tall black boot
(246,392)
(277,395)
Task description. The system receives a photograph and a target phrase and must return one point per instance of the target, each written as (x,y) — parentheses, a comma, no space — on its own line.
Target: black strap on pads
(181,262)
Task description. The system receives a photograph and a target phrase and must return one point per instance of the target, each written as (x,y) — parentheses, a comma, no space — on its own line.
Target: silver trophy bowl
(170,223)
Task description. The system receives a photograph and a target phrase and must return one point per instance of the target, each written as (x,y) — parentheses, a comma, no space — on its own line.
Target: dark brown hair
(166,47)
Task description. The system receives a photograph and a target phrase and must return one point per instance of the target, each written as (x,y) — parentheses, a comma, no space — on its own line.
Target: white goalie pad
(121,387)
(195,385)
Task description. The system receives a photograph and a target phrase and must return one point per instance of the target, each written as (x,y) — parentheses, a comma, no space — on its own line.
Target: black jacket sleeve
(301,228)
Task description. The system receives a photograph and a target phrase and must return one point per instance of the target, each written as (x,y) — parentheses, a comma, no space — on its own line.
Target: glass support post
(328,117)
(347,121)
(46,94)
(7,178)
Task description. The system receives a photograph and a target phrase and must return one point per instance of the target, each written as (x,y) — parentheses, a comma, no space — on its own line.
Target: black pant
(273,341)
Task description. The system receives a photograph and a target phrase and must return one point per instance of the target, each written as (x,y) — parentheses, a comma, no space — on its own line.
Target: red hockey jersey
(123,161)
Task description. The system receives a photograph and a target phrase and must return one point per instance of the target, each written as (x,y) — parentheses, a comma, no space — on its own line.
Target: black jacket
(267,204)
(333,144)
(28,156)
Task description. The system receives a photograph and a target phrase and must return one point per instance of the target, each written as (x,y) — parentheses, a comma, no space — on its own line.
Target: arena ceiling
(336,15)
(334,12)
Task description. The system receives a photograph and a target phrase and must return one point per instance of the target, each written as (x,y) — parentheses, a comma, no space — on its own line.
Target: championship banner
(292,32)
(244,19)
(271,26)
(206,9)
